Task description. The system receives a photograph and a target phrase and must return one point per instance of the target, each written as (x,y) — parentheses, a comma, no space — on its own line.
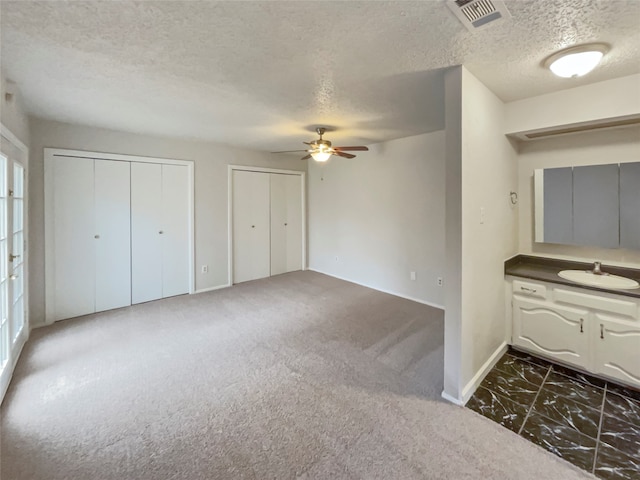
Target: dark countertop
(546,270)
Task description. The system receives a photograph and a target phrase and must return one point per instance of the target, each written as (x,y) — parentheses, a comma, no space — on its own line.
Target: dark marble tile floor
(590,422)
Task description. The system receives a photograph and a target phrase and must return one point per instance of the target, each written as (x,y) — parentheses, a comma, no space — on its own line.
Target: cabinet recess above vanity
(592,205)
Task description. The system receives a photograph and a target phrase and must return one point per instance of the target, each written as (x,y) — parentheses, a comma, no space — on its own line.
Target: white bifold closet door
(113,224)
(267,224)
(251,226)
(91,236)
(286,223)
(159,231)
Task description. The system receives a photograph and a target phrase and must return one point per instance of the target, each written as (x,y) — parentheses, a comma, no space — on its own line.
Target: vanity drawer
(612,305)
(529,289)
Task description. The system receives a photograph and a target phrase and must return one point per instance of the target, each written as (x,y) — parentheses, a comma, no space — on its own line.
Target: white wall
(593,148)
(382,215)
(453,228)
(12,113)
(489,174)
(211,162)
(608,99)
(475,325)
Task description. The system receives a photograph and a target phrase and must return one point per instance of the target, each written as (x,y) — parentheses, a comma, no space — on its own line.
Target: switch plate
(482,214)
(205,268)
(412,275)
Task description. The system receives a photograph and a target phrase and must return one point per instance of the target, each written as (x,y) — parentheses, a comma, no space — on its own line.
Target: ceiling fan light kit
(321,150)
(576,61)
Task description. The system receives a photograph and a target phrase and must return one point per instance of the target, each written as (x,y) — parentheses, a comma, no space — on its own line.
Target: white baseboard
(390,292)
(211,289)
(470,388)
(451,399)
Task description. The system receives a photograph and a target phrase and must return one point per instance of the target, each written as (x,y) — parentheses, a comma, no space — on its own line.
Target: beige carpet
(297,376)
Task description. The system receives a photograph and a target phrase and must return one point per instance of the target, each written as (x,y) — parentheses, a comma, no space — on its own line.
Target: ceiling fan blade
(345,155)
(354,149)
(304,158)
(291,151)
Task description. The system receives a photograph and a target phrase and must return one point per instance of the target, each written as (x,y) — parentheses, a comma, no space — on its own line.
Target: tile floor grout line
(595,454)
(534,401)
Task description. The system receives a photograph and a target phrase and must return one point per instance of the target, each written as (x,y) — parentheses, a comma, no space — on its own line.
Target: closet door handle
(96,236)
(253,226)
(602,331)
(285,224)
(581,323)
(160,232)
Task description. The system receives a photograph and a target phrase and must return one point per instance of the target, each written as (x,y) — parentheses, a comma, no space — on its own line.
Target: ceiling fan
(320,150)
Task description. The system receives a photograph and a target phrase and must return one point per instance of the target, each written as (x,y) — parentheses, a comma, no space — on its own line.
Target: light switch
(482,214)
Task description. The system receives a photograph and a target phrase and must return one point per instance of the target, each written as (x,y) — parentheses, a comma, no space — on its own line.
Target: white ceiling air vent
(476,14)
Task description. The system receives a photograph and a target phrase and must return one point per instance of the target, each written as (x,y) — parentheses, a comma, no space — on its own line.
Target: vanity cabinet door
(617,349)
(559,333)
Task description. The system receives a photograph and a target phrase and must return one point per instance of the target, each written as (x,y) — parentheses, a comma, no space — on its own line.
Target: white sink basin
(603,281)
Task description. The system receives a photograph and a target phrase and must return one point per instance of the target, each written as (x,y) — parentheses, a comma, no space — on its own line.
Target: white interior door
(175,230)
(251,226)
(286,223)
(146,225)
(74,242)
(113,236)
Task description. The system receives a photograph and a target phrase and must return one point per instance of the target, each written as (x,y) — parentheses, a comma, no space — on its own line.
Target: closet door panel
(113,245)
(294,222)
(146,225)
(74,242)
(175,228)
(251,226)
(278,224)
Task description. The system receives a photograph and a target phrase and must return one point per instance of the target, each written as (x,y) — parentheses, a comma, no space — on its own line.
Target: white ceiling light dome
(576,61)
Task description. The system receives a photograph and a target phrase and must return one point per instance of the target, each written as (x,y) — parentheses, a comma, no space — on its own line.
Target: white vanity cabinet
(617,349)
(551,330)
(594,331)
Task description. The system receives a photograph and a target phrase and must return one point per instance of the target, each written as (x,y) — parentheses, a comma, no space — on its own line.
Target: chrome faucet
(597,269)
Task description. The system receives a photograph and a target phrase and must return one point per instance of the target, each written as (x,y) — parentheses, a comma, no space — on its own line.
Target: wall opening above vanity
(595,205)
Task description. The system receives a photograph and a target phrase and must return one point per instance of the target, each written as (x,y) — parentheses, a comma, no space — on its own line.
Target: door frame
(303,203)
(49,155)
(15,352)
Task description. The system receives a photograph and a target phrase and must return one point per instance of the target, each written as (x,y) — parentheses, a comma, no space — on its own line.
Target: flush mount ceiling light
(576,61)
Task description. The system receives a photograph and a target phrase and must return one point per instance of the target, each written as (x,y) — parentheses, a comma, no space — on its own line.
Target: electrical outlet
(205,268)
(440,282)
(412,275)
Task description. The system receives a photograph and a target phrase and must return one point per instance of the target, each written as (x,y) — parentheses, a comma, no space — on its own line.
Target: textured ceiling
(263,74)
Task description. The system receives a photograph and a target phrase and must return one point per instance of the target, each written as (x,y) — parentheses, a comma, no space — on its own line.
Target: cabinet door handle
(525,289)
(602,331)
(581,323)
